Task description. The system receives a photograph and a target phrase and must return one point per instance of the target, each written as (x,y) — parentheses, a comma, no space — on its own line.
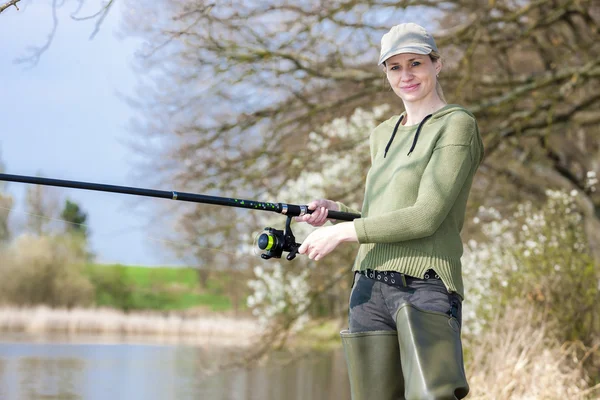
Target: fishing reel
(275,242)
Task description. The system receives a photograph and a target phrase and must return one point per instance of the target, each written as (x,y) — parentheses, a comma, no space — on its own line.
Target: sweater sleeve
(443,179)
(346,209)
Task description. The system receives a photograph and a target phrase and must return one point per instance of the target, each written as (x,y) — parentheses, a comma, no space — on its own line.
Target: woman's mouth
(410,88)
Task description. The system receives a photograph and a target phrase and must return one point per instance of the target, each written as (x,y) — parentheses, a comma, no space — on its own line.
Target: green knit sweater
(414,205)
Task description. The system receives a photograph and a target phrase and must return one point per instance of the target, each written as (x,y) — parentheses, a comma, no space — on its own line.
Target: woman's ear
(438,66)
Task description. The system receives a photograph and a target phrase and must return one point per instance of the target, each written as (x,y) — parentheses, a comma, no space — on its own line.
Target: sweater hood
(442,112)
(449,108)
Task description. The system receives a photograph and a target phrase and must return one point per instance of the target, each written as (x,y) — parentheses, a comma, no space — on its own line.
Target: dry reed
(514,359)
(108,322)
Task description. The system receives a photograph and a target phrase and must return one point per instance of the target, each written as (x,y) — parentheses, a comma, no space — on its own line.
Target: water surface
(59,369)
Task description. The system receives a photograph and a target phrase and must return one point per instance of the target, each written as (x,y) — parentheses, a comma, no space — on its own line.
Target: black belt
(395,278)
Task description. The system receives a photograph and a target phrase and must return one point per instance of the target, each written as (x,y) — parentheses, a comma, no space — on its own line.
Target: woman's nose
(406,75)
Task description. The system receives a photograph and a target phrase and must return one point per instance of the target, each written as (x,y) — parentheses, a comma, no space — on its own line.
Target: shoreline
(110,326)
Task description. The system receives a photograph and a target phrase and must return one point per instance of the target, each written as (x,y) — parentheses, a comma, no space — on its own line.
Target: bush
(45,270)
(516,359)
(540,256)
(113,287)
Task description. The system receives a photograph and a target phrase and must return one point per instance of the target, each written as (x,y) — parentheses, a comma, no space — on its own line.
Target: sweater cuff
(361,232)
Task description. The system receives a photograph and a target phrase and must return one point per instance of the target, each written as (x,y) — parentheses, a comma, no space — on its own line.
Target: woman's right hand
(319,215)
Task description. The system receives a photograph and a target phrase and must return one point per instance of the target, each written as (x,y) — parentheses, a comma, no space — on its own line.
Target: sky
(64,118)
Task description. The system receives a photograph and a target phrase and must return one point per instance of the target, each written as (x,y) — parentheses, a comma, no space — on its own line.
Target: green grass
(147,276)
(161,288)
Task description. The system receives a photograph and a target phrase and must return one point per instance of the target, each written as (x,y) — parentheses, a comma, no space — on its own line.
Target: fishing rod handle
(295,211)
(342,216)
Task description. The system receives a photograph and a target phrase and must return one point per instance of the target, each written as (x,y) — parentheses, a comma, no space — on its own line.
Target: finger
(323,214)
(315,215)
(319,216)
(302,248)
(312,217)
(302,218)
(313,254)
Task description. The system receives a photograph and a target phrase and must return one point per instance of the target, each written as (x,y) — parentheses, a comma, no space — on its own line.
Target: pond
(67,369)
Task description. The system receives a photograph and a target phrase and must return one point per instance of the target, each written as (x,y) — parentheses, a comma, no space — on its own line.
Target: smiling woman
(410,75)
(405,311)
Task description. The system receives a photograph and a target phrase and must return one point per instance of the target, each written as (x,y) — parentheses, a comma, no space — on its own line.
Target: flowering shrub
(339,158)
(279,294)
(539,254)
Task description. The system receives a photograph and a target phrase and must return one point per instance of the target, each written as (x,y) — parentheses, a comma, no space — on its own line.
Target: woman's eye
(395,68)
(416,63)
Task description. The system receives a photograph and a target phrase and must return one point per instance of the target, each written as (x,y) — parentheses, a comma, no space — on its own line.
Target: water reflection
(50,378)
(142,371)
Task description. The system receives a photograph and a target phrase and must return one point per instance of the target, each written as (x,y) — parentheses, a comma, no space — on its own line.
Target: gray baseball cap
(406,38)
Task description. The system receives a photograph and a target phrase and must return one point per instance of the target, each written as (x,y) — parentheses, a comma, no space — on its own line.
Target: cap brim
(406,49)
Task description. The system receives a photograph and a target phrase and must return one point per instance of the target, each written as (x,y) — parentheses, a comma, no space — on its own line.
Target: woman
(405,306)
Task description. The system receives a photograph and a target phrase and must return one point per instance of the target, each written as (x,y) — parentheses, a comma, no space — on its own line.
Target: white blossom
(527,236)
(278,292)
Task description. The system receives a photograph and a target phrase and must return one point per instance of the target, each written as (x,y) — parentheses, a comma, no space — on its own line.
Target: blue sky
(64,119)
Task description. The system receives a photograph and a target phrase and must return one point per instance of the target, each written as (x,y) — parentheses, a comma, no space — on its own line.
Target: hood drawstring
(417,134)
(393,134)
(414,140)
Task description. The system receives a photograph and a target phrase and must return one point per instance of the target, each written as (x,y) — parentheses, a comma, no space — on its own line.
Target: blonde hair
(435,56)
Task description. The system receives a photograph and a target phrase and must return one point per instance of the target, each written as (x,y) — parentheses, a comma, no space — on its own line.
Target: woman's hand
(323,241)
(319,215)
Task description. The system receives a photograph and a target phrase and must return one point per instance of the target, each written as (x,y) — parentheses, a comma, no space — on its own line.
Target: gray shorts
(373,304)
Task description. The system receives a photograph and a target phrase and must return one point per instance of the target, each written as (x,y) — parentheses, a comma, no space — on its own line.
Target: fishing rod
(273,241)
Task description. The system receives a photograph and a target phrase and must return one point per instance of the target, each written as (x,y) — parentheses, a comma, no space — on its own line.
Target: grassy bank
(165,288)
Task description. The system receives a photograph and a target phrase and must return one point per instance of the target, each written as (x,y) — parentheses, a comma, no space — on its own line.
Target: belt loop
(453,306)
(354,278)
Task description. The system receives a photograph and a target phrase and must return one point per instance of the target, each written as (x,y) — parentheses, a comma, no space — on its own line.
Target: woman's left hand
(324,240)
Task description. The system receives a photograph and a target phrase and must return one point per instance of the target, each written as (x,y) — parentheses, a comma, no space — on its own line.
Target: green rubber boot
(431,354)
(373,362)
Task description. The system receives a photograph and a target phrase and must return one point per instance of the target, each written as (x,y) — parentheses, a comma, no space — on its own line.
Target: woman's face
(412,76)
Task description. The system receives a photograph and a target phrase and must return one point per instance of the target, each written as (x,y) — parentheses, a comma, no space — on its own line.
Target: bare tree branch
(36,52)
(100,15)
(9,4)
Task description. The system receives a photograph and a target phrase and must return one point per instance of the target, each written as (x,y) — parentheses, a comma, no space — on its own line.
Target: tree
(259,78)
(75,219)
